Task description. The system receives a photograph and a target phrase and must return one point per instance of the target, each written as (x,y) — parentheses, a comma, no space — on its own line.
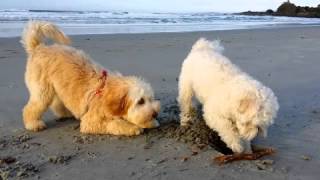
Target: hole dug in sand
(196,134)
(200,136)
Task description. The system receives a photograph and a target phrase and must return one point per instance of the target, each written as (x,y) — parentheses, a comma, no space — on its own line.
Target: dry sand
(286,59)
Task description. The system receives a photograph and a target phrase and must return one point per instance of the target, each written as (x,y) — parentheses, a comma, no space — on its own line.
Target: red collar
(97,92)
(103,77)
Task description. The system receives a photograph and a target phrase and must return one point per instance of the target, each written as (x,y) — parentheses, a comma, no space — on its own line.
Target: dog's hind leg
(59,109)
(39,100)
(185,101)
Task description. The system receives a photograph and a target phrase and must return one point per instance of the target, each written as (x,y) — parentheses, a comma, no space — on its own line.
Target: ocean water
(115,22)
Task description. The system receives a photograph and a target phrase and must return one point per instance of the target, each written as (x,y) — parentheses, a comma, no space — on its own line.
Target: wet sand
(285,59)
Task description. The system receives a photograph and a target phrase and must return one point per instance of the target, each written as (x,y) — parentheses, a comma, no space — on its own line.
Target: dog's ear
(117,100)
(248,105)
(244,105)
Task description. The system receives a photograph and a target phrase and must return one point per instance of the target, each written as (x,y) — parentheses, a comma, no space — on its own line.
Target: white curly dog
(235,105)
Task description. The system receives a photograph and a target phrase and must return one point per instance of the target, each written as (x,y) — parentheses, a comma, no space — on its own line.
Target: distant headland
(288,9)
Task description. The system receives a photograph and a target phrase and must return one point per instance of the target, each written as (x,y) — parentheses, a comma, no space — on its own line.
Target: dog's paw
(139,131)
(237,147)
(135,131)
(185,120)
(185,123)
(248,151)
(35,126)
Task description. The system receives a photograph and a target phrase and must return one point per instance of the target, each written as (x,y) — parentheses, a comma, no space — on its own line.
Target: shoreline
(15,29)
(266,27)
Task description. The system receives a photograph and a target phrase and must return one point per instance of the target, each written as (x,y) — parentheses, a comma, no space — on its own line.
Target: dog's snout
(155,114)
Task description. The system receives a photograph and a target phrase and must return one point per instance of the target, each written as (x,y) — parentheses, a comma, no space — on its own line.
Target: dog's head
(133,100)
(256,114)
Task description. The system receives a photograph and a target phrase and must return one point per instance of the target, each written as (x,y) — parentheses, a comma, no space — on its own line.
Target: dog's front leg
(185,99)
(92,125)
(247,146)
(225,129)
(122,127)
(185,102)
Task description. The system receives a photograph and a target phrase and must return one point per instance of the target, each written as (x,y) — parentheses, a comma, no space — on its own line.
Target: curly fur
(65,79)
(237,106)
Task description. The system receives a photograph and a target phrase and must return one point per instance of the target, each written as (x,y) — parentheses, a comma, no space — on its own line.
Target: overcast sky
(151,5)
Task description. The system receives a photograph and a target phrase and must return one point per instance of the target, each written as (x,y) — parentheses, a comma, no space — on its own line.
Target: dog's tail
(35,33)
(204,44)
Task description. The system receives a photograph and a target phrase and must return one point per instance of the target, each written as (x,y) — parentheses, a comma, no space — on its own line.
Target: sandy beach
(285,59)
